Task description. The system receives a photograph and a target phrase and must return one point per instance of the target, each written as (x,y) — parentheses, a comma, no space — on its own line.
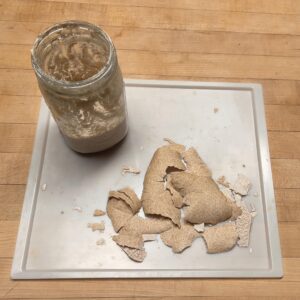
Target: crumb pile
(181,203)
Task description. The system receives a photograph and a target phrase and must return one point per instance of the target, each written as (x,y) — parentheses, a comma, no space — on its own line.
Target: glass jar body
(91,114)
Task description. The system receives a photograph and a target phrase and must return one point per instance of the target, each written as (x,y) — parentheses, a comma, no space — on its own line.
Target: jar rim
(72,84)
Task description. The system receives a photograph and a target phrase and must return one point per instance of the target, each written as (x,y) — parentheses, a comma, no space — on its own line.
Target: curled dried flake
(195,164)
(149,237)
(44,187)
(129,240)
(137,255)
(122,205)
(151,225)
(220,238)
(98,213)
(199,227)
(129,169)
(222,181)
(242,185)
(97,226)
(156,200)
(119,213)
(180,238)
(243,225)
(100,242)
(129,197)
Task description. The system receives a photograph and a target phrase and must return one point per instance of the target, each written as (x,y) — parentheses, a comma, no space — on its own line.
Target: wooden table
(215,40)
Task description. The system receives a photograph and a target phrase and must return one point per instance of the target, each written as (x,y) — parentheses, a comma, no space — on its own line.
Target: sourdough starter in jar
(79,76)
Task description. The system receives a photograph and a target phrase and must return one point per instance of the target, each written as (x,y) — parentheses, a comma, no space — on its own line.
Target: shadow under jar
(79,77)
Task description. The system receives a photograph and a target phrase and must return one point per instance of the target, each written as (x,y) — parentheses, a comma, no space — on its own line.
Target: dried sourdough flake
(180,238)
(131,170)
(155,198)
(122,205)
(242,185)
(98,213)
(243,225)
(220,238)
(97,226)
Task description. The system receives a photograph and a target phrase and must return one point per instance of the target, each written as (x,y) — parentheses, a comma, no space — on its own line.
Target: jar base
(98,143)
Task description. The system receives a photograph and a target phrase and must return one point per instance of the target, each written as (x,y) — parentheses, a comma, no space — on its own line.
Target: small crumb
(199,227)
(129,169)
(101,242)
(97,226)
(77,208)
(250,250)
(169,141)
(62,212)
(99,213)
(244,166)
(44,187)
(242,185)
(216,110)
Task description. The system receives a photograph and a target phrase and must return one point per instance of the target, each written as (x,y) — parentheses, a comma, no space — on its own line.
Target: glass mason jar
(79,77)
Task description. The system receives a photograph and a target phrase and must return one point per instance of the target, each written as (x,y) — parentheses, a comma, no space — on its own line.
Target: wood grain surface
(217,40)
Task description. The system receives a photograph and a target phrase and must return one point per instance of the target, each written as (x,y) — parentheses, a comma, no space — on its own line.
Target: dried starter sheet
(180,238)
(220,238)
(156,199)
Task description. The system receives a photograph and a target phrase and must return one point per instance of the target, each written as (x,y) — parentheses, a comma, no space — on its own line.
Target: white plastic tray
(53,239)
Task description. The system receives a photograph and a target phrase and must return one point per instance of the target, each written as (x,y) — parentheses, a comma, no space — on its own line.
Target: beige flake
(121,207)
(242,185)
(151,225)
(220,238)
(199,227)
(137,255)
(180,238)
(98,213)
(97,226)
(129,240)
(243,225)
(131,170)
(156,200)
